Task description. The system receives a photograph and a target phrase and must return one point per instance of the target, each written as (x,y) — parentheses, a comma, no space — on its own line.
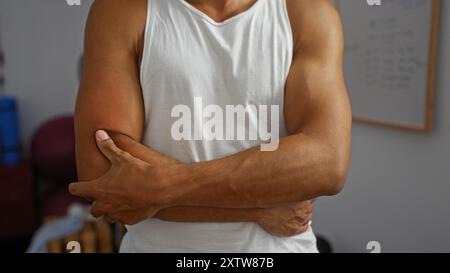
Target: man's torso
(184,57)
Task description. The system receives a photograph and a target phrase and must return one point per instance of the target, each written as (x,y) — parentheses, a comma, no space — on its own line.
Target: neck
(220,10)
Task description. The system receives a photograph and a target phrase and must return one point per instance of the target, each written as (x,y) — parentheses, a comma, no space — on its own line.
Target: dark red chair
(53,162)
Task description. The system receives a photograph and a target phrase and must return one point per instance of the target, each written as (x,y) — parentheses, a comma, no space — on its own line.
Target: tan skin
(130,182)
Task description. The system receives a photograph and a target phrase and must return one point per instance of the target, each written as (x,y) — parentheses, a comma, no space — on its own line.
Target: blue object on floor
(54,230)
(10,147)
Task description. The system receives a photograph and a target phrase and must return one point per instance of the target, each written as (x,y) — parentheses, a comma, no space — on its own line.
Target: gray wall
(42,41)
(399,185)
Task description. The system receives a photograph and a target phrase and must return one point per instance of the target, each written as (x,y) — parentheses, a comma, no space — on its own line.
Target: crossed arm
(279,221)
(311,162)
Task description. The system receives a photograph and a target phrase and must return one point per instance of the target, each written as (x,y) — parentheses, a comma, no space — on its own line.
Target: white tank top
(244,60)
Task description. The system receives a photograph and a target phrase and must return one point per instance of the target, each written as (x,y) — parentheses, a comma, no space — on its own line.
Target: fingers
(304,205)
(88,190)
(303,211)
(108,219)
(99,209)
(108,147)
(306,220)
(102,208)
(303,217)
(287,230)
(130,217)
(296,227)
(301,229)
(127,217)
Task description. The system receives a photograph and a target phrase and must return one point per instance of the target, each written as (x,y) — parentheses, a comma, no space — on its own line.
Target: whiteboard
(389,62)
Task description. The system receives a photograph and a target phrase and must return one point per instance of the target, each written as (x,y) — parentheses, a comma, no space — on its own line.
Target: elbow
(336,183)
(336,178)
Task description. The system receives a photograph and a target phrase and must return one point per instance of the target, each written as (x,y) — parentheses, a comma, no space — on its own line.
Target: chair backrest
(53,150)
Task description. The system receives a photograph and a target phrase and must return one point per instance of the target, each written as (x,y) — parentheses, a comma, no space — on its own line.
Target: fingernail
(71,188)
(102,135)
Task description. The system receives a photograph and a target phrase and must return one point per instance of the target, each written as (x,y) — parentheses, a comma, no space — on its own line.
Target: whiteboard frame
(431,79)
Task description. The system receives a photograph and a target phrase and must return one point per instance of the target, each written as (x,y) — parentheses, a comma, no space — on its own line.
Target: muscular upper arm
(110,95)
(316,99)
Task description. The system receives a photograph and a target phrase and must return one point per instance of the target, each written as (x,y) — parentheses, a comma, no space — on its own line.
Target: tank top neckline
(207,18)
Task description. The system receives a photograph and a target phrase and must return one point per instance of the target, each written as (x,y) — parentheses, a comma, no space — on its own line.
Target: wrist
(179,185)
(257,215)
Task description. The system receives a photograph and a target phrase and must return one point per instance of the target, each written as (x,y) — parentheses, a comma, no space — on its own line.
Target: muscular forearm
(184,214)
(302,168)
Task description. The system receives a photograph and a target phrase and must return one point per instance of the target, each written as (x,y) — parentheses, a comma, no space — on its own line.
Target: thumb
(107,146)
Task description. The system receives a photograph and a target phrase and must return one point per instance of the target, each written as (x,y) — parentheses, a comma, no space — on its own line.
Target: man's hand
(132,190)
(287,221)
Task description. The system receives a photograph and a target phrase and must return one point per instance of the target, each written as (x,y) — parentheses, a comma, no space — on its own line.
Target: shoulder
(314,23)
(117,20)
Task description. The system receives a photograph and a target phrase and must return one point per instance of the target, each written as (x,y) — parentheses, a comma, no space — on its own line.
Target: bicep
(109,96)
(97,108)
(317,102)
